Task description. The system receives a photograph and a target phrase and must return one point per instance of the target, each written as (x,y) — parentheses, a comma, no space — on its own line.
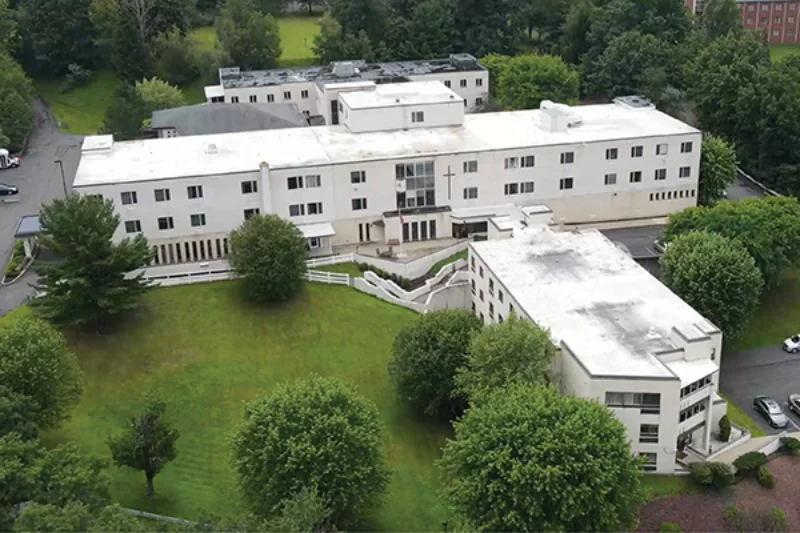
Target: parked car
(8,190)
(794,403)
(771,411)
(660,246)
(7,160)
(792,344)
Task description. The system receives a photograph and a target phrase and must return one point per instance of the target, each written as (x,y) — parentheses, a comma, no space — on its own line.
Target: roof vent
(634,102)
(343,69)
(211,149)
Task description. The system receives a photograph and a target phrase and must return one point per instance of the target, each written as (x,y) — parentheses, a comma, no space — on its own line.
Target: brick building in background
(779,20)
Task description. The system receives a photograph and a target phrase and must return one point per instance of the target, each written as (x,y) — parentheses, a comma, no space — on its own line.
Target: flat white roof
(690,371)
(189,156)
(401,94)
(608,311)
(338,85)
(213,91)
(321,229)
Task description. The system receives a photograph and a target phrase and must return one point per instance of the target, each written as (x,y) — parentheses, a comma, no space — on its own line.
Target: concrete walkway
(755,444)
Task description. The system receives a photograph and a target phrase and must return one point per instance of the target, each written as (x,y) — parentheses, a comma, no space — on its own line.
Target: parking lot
(769,371)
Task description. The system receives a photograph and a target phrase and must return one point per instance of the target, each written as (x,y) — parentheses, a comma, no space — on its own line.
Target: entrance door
(363,233)
(334,112)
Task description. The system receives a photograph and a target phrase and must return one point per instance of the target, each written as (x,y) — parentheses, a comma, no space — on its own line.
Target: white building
(315,89)
(406,164)
(623,338)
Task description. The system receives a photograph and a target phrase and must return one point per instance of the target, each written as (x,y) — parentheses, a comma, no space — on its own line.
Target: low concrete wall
(363,285)
(419,292)
(456,296)
(412,269)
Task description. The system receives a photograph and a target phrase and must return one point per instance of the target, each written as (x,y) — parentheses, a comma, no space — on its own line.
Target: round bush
(318,434)
(764,477)
(749,462)
(669,527)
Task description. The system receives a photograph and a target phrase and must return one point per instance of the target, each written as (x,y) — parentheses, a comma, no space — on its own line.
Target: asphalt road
(39,181)
(742,189)
(639,241)
(769,370)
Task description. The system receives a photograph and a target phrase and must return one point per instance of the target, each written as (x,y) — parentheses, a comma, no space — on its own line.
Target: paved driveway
(39,180)
(769,371)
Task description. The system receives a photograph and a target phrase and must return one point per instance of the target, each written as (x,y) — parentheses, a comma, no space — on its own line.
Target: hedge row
(400,281)
(14,267)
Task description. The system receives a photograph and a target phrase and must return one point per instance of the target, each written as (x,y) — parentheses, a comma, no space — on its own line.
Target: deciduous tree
(716,276)
(489,26)
(158,94)
(35,363)
(622,67)
(61,33)
(74,516)
(515,350)
(250,38)
(16,97)
(317,433)
(369,16)
(176,58)
(720,17)
(18,413)
(332,44)
(529,459)
(425,358)
(126,114)
(89,286)
(717,169)
(268,253)
(147,444)
(526,80)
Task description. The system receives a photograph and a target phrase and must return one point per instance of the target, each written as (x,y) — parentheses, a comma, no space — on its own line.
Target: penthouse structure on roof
(315,89)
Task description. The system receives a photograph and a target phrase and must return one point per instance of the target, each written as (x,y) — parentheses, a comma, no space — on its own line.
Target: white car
(792,344)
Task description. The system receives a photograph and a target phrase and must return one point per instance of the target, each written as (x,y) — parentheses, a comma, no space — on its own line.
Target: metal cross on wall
(449,175)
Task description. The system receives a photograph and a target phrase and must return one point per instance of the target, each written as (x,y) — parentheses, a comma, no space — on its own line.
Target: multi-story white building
(406,164)
(623,338)
(315,89)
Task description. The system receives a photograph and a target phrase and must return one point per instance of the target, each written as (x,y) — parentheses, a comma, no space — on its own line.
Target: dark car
(794,403)
(771,411)
(8,190)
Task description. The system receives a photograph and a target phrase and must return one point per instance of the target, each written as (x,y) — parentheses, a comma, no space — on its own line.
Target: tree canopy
(158,94)
(126,114)
(716,276)
(522,82)
(425,358)
(269,254)
(529,459)
(250,38)
(717,169)
(61,33)
(89,286)
(317,434)
(16,98)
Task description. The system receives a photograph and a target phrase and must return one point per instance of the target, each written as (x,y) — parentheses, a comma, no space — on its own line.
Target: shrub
(724,429)
(791,445)
(775,520)
(701,473)
(669,527)
(76,77)
(717,475)
(19,248)
(13,267)
(764,477)
(749,462)
(733,517)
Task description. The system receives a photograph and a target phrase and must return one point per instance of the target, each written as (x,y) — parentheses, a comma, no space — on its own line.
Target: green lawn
(777,51)
(777,318)
(661,486)
(446,261)
(79,111)
(207,353)
(341,268)
(737,416)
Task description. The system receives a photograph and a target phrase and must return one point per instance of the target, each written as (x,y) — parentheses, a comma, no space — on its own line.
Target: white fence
(331,260)
(332,278)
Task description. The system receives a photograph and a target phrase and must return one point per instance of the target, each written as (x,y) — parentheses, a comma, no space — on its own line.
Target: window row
(308,182)
(196,220)
(188,251)
(638,150)
(692,410)
(648,433)
(526,187)
(778,7)
(671,195)
(287,95)
(419,231)
(463,82)
(697,385)
(299,210)
(192,192)
(644,400)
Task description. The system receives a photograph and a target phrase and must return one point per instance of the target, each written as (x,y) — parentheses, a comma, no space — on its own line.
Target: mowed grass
(661,486)
(82,110)
(777,51)
(206,353)
(737,416)
(778,316)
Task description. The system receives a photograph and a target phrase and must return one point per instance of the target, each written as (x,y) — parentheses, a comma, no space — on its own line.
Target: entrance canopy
(322,229)
(28,226)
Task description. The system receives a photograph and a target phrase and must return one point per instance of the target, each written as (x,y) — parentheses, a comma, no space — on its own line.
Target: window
(778,7)
(470,193)
(250,212)
(660,174)
(776,33)
(511,188)
(684,172)
(611,179)
(480,295)
(491,310)
(637,151)
(527,161)
(567,158)
(129,198)
(478,82)
(692,410)
(500,296)
(197,220)
(480,272)
(295,182)
(447,83)
(491,287)
(358,176)
(565,183)
(420,184)
(253,99)
(465,102)
(499,318)
(697,385)
(314,242)
(750,7)
(133,226)
(287,95)
(648,433)
(270,98)
(512,162)
(611,153)
(790,20)
(234,99)
(358,204)
(749,20)
(165,223)
(303,94)
(479,101)
(511,308)
(313,181)
(526,187)
(418,116)
(472,286)
(315,208)
(650,460)
(194,191)
(686,147)
(162,195)
(463,83)
(640,400)
(777,20)
(297,210)
(636,176)
(470,167)
(792,6)
(661,149)
(249,187)
(764,7)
